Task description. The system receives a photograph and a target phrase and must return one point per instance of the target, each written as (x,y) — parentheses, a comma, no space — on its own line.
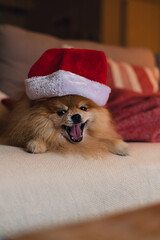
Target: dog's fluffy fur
(62,124)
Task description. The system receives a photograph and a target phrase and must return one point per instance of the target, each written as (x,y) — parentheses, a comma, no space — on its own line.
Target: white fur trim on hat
(63,83)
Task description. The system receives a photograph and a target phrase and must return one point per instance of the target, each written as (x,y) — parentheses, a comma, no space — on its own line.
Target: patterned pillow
(136,78)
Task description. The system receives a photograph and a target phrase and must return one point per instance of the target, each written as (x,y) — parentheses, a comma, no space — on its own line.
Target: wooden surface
(63,18)
(131,23)
(141,224)
(143,24)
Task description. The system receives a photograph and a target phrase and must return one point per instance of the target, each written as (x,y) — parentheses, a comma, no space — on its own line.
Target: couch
(51,189)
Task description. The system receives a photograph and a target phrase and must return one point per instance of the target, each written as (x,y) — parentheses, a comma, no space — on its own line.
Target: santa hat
(60,72)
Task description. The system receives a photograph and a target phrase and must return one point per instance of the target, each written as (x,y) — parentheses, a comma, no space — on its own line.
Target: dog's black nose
(76,118)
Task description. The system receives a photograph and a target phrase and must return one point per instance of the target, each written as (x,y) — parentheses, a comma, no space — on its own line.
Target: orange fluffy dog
(55,114)
(62,124)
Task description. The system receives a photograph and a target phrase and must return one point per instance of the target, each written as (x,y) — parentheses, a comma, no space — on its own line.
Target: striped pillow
(126,76)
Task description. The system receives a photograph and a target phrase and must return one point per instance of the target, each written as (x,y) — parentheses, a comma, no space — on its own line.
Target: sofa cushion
(20,48)
(38,190)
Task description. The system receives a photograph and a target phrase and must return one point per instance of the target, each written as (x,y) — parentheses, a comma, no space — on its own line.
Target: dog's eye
(61,113)
(83,108)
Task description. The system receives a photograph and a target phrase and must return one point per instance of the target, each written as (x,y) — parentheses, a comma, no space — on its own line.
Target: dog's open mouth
(75,132)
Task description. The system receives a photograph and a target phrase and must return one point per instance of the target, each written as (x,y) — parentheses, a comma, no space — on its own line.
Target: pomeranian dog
(64,124)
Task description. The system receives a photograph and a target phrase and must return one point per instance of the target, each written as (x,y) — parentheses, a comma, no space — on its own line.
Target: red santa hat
(60,72)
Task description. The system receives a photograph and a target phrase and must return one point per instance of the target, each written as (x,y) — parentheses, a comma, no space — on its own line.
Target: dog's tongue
(76,132)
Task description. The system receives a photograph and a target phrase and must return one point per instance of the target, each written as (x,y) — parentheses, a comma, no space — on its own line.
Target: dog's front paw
(36,146)
(119,147)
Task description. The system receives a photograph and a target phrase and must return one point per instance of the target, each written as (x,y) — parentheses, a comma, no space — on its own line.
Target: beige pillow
(20,48)
(3,109)
(2,95)
(137,56)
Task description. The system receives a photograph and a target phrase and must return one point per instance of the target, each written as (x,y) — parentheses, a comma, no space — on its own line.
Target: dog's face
(71,115)
(63,124)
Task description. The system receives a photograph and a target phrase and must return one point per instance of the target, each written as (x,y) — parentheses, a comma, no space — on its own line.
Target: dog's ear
(8,103)
(38,101)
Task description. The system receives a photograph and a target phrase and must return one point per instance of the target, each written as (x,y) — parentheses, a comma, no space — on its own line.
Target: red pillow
(136,78)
